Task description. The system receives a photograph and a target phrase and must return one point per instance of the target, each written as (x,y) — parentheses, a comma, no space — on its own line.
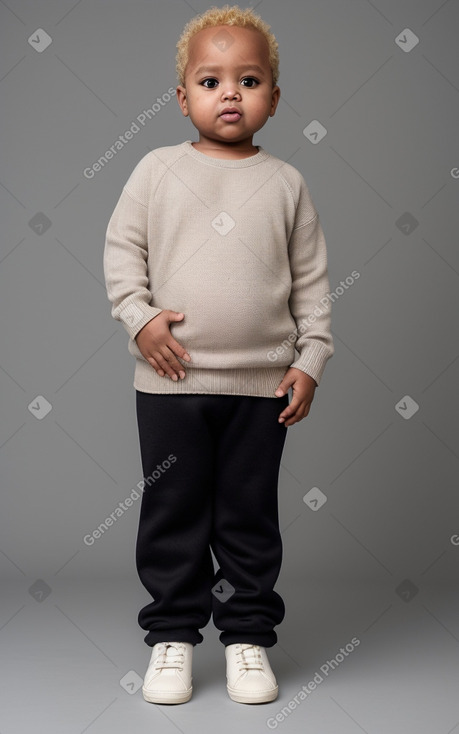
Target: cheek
(201,101)
(261,106)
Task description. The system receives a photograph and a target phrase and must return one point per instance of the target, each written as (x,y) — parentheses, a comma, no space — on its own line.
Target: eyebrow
(247,67)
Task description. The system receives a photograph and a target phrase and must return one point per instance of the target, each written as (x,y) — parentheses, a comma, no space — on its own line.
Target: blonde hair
(225,16)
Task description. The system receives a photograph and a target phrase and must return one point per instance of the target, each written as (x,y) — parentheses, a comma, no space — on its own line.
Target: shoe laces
(170,655)
(249,657)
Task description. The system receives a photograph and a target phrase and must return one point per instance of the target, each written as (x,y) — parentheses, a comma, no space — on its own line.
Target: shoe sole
(167,697)
(261,697)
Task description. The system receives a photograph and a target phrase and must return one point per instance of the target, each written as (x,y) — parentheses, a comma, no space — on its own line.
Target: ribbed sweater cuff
(313,360)
(134,316)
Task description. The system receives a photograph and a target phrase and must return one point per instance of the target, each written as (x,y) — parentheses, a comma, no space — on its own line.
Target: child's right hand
(159,347)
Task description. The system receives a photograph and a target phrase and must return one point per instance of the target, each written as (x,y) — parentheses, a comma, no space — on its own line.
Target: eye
(252,82)
(251,79)
(208,80)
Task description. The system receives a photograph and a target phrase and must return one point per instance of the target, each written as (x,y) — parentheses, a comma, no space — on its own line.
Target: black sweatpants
(211,466)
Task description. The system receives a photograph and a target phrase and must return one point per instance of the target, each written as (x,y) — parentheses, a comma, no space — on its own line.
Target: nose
(230,93)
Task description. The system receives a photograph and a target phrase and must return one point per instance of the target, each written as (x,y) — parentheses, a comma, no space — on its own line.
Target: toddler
(215,263)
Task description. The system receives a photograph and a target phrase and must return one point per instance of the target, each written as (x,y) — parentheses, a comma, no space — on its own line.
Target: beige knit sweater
(237,246)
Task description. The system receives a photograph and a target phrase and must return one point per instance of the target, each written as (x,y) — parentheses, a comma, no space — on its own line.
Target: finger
(155,366)
(287,421)
(284,387)
(165,365)
(177,349)
(291,421)
(171,365)
(290,410)
(298,415)
(175,365)
(284,415)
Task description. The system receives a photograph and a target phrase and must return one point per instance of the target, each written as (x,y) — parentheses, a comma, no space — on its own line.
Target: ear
(181,99)
(274,100)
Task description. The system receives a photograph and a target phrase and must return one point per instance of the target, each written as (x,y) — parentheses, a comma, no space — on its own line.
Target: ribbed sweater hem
(256,381)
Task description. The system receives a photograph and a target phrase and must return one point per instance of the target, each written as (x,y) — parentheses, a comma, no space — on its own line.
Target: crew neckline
(225,162)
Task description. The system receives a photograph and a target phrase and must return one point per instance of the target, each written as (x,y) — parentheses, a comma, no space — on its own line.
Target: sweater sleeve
(126,262)
(309,302)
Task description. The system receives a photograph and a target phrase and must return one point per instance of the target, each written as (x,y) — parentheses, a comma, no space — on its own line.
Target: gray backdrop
(369,114)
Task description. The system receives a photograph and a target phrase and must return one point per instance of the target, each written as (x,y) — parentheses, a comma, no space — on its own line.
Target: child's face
(223,75)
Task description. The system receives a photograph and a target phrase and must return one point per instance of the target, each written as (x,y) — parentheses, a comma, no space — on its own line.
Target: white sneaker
(168,678)
(249,675)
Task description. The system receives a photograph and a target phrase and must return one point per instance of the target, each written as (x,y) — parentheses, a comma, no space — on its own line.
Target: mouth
(231,115)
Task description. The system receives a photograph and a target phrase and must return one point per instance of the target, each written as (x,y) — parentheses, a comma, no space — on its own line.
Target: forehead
(228,45)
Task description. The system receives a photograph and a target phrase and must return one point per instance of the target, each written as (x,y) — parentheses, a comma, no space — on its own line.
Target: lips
(229,110)
(231,114)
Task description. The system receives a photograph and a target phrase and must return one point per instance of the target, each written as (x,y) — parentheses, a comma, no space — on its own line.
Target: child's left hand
(303,387)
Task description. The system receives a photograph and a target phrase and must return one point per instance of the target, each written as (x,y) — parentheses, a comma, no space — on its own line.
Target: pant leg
(246,537)
(173,556)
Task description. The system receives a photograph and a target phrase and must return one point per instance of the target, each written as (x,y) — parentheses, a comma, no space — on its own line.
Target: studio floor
(351,657)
